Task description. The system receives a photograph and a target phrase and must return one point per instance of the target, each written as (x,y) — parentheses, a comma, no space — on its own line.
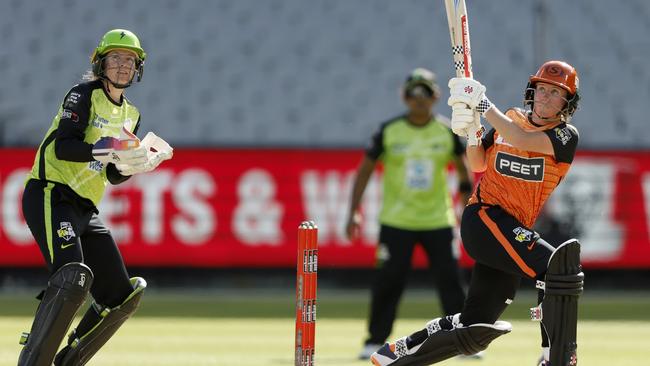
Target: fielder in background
(91,143)
(524,157)
(415,149)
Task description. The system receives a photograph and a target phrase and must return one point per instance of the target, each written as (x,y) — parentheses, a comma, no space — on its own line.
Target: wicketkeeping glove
(158,150)
(123,150)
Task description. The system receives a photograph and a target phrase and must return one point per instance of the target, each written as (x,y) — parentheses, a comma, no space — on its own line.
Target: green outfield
(239,328)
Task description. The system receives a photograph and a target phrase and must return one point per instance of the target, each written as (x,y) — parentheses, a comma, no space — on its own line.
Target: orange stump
(306,285)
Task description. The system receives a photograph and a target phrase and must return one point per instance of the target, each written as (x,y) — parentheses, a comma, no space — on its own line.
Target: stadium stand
(316,73)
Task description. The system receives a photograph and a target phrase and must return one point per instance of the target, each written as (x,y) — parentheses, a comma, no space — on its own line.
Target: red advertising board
(242,207)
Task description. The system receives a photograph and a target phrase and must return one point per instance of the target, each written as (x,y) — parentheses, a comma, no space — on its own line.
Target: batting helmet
(560,74)
(118,39)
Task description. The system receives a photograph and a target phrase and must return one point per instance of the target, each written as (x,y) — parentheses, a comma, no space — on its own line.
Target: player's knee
(564,276)
(476,338)
(73,257)
(73,275)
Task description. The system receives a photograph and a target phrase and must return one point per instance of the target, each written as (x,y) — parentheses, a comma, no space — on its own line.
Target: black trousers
(394,263)
(505,251)
(67,229)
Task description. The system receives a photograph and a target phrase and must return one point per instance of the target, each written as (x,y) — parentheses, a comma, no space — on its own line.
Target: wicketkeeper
(91,143)
(524,158)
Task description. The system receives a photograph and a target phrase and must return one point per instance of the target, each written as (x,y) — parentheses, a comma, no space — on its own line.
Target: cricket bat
(459,33)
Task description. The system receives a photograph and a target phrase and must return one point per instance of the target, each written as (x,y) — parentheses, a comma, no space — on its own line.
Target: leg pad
(559,310)
(81,347)
(445,344)
(66,292)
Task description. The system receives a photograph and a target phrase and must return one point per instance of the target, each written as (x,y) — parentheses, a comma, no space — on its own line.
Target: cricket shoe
(389,353)
(367,350)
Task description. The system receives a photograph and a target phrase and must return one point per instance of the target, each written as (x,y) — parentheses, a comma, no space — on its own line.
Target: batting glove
(462,117)
(475,134)
(466,122)
(469,92)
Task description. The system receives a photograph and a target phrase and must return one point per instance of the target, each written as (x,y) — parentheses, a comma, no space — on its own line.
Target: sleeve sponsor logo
(528,169)
(72,99)
(68,114)
(563,134)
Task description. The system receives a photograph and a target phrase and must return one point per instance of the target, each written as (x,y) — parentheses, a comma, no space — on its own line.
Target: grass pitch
(246,330)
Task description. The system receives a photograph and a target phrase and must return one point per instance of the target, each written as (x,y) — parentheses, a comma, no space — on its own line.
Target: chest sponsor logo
(529,169)
(100,122)
(419,174)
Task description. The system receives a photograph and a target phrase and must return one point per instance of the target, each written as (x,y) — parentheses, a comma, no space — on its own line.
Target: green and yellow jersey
(415,159)
(65,155)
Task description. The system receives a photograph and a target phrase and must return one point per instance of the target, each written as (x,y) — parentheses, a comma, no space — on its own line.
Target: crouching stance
(524,158)
(92,143)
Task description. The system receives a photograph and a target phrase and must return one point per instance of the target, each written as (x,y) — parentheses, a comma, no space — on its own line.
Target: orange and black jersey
(521,181)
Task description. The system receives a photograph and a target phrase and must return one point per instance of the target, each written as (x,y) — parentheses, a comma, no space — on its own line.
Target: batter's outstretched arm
(537,141)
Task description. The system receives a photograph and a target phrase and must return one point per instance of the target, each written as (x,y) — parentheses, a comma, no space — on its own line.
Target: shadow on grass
(618,306)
